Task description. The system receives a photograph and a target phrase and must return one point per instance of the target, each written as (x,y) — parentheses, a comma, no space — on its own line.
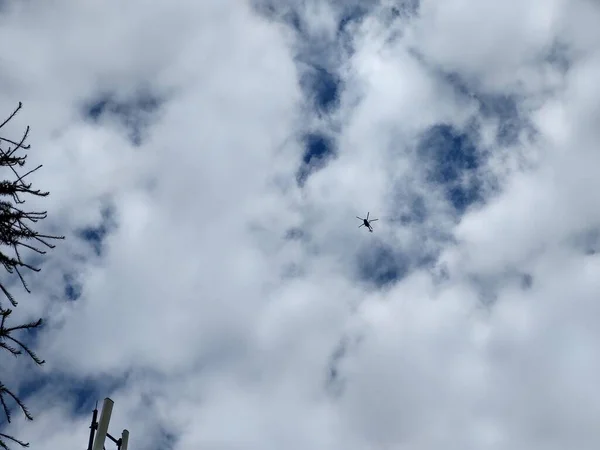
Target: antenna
(124,439)
(100,429)
(103,424)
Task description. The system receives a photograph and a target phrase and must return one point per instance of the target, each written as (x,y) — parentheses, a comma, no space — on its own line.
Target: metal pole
(93,427)
(124,439)
(99,430)
(103,424)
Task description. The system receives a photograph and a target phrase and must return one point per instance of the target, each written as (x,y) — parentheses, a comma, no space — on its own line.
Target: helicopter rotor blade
(373,220)
(367,215)
(361,225)
(359,218)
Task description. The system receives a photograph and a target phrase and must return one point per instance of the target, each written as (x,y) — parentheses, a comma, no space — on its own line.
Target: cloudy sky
(206,161)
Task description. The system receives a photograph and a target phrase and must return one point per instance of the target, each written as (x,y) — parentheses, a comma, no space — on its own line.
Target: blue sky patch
(322,87)
(452,160)
(405,8)
(83,393)
(352,16)
(281,12)
(73,287)
(134,113)
(95,235)
(506,109)
(349,19)
(318,150)
(379,265)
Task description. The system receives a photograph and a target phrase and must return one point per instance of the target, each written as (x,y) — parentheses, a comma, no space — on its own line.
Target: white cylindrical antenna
(124,439)
(103,424)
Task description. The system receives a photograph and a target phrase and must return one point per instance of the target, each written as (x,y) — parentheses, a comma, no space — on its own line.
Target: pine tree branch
(16,233)
(4,446)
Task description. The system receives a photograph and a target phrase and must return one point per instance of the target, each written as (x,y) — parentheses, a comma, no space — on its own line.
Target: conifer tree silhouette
(16,234)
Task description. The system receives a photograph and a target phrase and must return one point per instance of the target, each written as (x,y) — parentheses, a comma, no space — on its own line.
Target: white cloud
(210,329)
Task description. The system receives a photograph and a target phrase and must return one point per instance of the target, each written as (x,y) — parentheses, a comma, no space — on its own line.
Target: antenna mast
(99,430)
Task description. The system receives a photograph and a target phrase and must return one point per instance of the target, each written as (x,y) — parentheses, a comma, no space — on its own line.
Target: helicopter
(367,222)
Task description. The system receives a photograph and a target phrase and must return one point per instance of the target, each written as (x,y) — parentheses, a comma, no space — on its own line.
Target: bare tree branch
(16,233)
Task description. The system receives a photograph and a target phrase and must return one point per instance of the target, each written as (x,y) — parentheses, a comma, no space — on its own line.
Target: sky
(206,162)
